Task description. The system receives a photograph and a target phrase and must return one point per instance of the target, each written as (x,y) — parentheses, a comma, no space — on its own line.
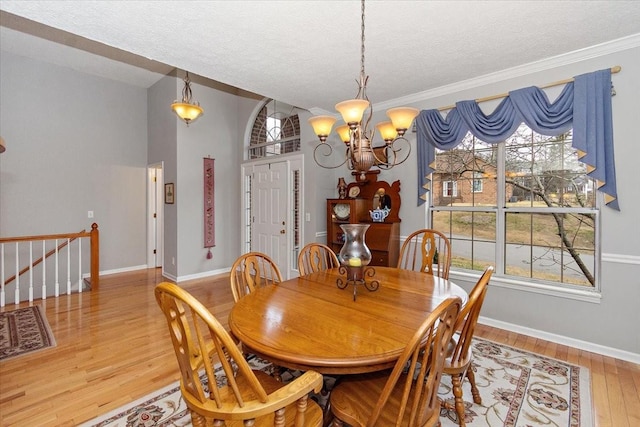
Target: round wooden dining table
(309,323)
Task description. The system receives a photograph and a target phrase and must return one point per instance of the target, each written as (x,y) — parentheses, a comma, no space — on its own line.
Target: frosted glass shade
(187,112)
(387,131)
(345,133)
(322,125)
(402,117)
(352,110)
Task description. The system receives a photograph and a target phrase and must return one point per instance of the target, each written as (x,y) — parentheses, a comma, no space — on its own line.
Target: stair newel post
(95,257)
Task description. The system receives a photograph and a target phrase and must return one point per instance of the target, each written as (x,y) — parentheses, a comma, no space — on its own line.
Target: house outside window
(525,205)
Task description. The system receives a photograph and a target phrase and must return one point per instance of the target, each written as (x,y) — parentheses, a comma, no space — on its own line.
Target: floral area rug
(521,389)
(24,330)
(518,389)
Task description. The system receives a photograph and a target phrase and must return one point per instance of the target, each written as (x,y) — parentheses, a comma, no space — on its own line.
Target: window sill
(586,295)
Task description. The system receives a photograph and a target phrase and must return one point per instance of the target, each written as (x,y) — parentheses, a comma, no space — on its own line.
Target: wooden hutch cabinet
(382,238)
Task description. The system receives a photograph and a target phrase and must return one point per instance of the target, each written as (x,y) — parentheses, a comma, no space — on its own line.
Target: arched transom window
(276,130)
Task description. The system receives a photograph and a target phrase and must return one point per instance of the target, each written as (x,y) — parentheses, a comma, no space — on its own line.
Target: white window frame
(589,294)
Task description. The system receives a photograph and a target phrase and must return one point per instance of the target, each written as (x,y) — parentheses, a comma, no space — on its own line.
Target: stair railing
(57,252)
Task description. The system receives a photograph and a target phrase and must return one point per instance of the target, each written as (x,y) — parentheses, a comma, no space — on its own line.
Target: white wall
(74,143)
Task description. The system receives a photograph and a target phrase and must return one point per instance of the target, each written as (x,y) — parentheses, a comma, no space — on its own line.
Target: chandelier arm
(186,90)
(328,154)
(394,150)
(378,161)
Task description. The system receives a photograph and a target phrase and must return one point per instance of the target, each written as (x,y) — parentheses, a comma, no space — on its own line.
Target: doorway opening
(155,216)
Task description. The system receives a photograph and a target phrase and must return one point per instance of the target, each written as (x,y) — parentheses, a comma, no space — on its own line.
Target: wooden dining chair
(250,271)
(458,363)
(316,257)
(428,251)
(408,394)
(247,397)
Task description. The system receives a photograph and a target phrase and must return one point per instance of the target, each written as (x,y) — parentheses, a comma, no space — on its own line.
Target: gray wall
(75,143)
(218,134)
(78,143)
(613,322)
(162,148)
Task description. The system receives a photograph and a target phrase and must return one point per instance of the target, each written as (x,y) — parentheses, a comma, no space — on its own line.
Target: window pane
(546,171)
(472,236)
(466,176)
(535,249)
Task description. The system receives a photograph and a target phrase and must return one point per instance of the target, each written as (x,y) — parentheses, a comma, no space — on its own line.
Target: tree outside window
(525,205)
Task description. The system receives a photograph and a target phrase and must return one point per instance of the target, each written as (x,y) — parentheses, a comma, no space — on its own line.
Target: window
(450,188)
(529,208)
(476,186)
(248,211)
(276,130)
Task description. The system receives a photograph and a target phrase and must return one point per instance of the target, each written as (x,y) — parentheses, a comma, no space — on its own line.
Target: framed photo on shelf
(169,193)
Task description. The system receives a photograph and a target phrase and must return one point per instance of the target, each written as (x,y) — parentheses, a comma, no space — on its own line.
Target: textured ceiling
(307,53)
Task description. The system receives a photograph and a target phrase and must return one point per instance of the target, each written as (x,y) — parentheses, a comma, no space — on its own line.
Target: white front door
(270,195)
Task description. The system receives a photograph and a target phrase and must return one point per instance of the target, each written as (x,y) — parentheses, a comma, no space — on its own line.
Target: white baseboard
(559,339)
(165,274)
(203,274)
(123,270)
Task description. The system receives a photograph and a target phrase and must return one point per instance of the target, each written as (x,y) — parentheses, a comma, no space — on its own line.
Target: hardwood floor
(113,347)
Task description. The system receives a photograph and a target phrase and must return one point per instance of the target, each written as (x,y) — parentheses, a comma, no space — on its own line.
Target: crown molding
(625,43)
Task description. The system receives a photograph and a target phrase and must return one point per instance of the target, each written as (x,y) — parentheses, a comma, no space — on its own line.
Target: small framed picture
(169,193)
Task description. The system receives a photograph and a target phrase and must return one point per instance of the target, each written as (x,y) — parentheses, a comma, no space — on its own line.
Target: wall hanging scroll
(209,211)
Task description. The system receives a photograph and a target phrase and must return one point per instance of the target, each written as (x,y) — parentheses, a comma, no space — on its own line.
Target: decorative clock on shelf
(354,192)
(342,211)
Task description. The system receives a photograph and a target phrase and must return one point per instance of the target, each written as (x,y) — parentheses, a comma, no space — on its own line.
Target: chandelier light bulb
(352,111)
(322,126)
(402,117)
(345,133)
(387,131)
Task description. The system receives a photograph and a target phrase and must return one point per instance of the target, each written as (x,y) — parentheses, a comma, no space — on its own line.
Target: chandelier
(188,111)
(361,155)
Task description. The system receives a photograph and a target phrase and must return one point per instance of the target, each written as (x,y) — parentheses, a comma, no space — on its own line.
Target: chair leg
(474,390)
(456,381)
(327,416)
(198,420)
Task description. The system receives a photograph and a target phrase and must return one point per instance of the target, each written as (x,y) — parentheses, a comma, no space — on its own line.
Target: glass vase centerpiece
(354,258)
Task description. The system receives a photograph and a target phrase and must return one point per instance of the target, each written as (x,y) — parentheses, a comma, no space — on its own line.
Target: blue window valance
(584,104)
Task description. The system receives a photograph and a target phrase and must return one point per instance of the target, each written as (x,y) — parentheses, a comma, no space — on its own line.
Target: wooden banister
(94,236)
